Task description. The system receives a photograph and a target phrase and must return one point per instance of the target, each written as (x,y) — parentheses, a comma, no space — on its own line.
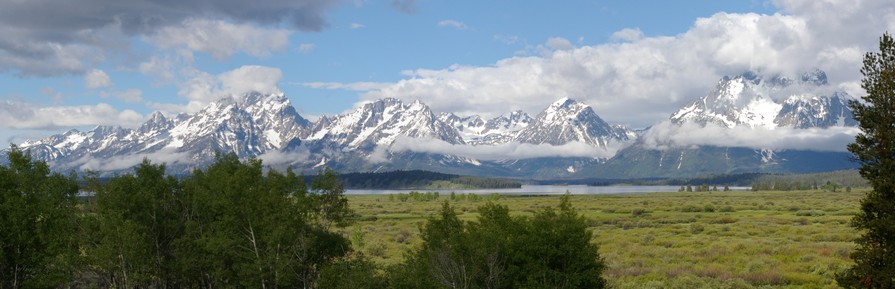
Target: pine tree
(874,149)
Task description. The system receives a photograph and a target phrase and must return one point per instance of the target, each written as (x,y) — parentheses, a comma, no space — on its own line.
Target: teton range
(568,139)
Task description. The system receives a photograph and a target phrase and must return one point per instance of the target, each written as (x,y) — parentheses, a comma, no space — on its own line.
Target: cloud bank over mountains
(634,79)
(637,79)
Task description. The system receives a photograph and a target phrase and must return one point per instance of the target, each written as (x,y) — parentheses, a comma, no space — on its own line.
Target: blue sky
(85,63)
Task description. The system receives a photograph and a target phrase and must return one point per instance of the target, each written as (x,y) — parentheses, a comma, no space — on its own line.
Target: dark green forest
(236,224)
(418,179)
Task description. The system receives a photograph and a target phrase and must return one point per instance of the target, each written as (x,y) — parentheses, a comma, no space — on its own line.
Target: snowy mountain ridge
(268,127)
(756,101)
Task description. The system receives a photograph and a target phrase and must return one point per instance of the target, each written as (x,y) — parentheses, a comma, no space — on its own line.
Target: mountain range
(568,139)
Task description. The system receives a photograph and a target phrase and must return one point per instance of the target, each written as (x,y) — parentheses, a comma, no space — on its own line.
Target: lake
(541,190)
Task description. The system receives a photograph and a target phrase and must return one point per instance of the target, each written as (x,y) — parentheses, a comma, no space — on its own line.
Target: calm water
(539,190)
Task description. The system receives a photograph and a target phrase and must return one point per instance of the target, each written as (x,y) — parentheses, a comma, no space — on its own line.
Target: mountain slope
(248,126)
(752,101)
(755,101)
(382,122)
(567,120)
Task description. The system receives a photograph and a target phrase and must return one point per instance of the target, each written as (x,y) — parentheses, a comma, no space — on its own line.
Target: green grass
(665,240)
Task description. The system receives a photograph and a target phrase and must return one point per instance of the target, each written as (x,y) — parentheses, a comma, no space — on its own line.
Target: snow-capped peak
(381,122)
(755,101)
(567,120)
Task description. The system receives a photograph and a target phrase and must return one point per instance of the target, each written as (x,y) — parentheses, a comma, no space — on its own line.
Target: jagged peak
(815,76)
(564,107)
(563,102)
(157,116)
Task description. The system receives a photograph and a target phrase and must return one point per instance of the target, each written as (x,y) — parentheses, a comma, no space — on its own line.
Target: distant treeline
(418,179)
(763,181)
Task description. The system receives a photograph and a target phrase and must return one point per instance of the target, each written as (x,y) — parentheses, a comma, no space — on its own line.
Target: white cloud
(354,86)
(356,26)
(306,47)
(639,82)
(276,157)
(453,24)
(114,163)
(559,43)
(513,150)
(97,79)
(221,39)
(201,88)
(162,68)
(250,78)
(627,34)
(667,135)
(20,115)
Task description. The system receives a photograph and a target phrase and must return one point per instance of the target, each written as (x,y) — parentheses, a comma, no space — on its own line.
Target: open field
(796,239)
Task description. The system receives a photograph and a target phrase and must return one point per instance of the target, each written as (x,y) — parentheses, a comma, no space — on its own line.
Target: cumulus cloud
(21,115)
(221,39)
(559,43)
(668,135)
(160,67)
(73,35)
(639,81)
(627,34)
(250,78)
(201,88)
(453,24)
(97,79)
(513,150)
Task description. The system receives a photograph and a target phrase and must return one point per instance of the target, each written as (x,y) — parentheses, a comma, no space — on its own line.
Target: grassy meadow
(796,239)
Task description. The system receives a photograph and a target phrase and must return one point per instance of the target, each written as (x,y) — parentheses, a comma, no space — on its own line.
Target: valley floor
(663,240)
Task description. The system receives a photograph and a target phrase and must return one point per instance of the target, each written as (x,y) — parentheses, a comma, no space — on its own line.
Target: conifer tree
(874,149)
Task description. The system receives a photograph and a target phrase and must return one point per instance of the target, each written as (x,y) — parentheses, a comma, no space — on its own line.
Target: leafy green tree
(137,222)
(38,245)
(354,272)
(329,198)
(874,149)
(247,229)
(552,249)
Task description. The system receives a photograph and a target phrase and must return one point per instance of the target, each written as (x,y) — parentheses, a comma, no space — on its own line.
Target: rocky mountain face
(258,125)
(478,131)
(769,102)
(390,134)
(247,126)
(752,101)
(566,121)
(381,122)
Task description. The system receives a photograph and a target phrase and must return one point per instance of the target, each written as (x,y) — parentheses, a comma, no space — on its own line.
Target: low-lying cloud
(506,151)
(667,135)
(128,161)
